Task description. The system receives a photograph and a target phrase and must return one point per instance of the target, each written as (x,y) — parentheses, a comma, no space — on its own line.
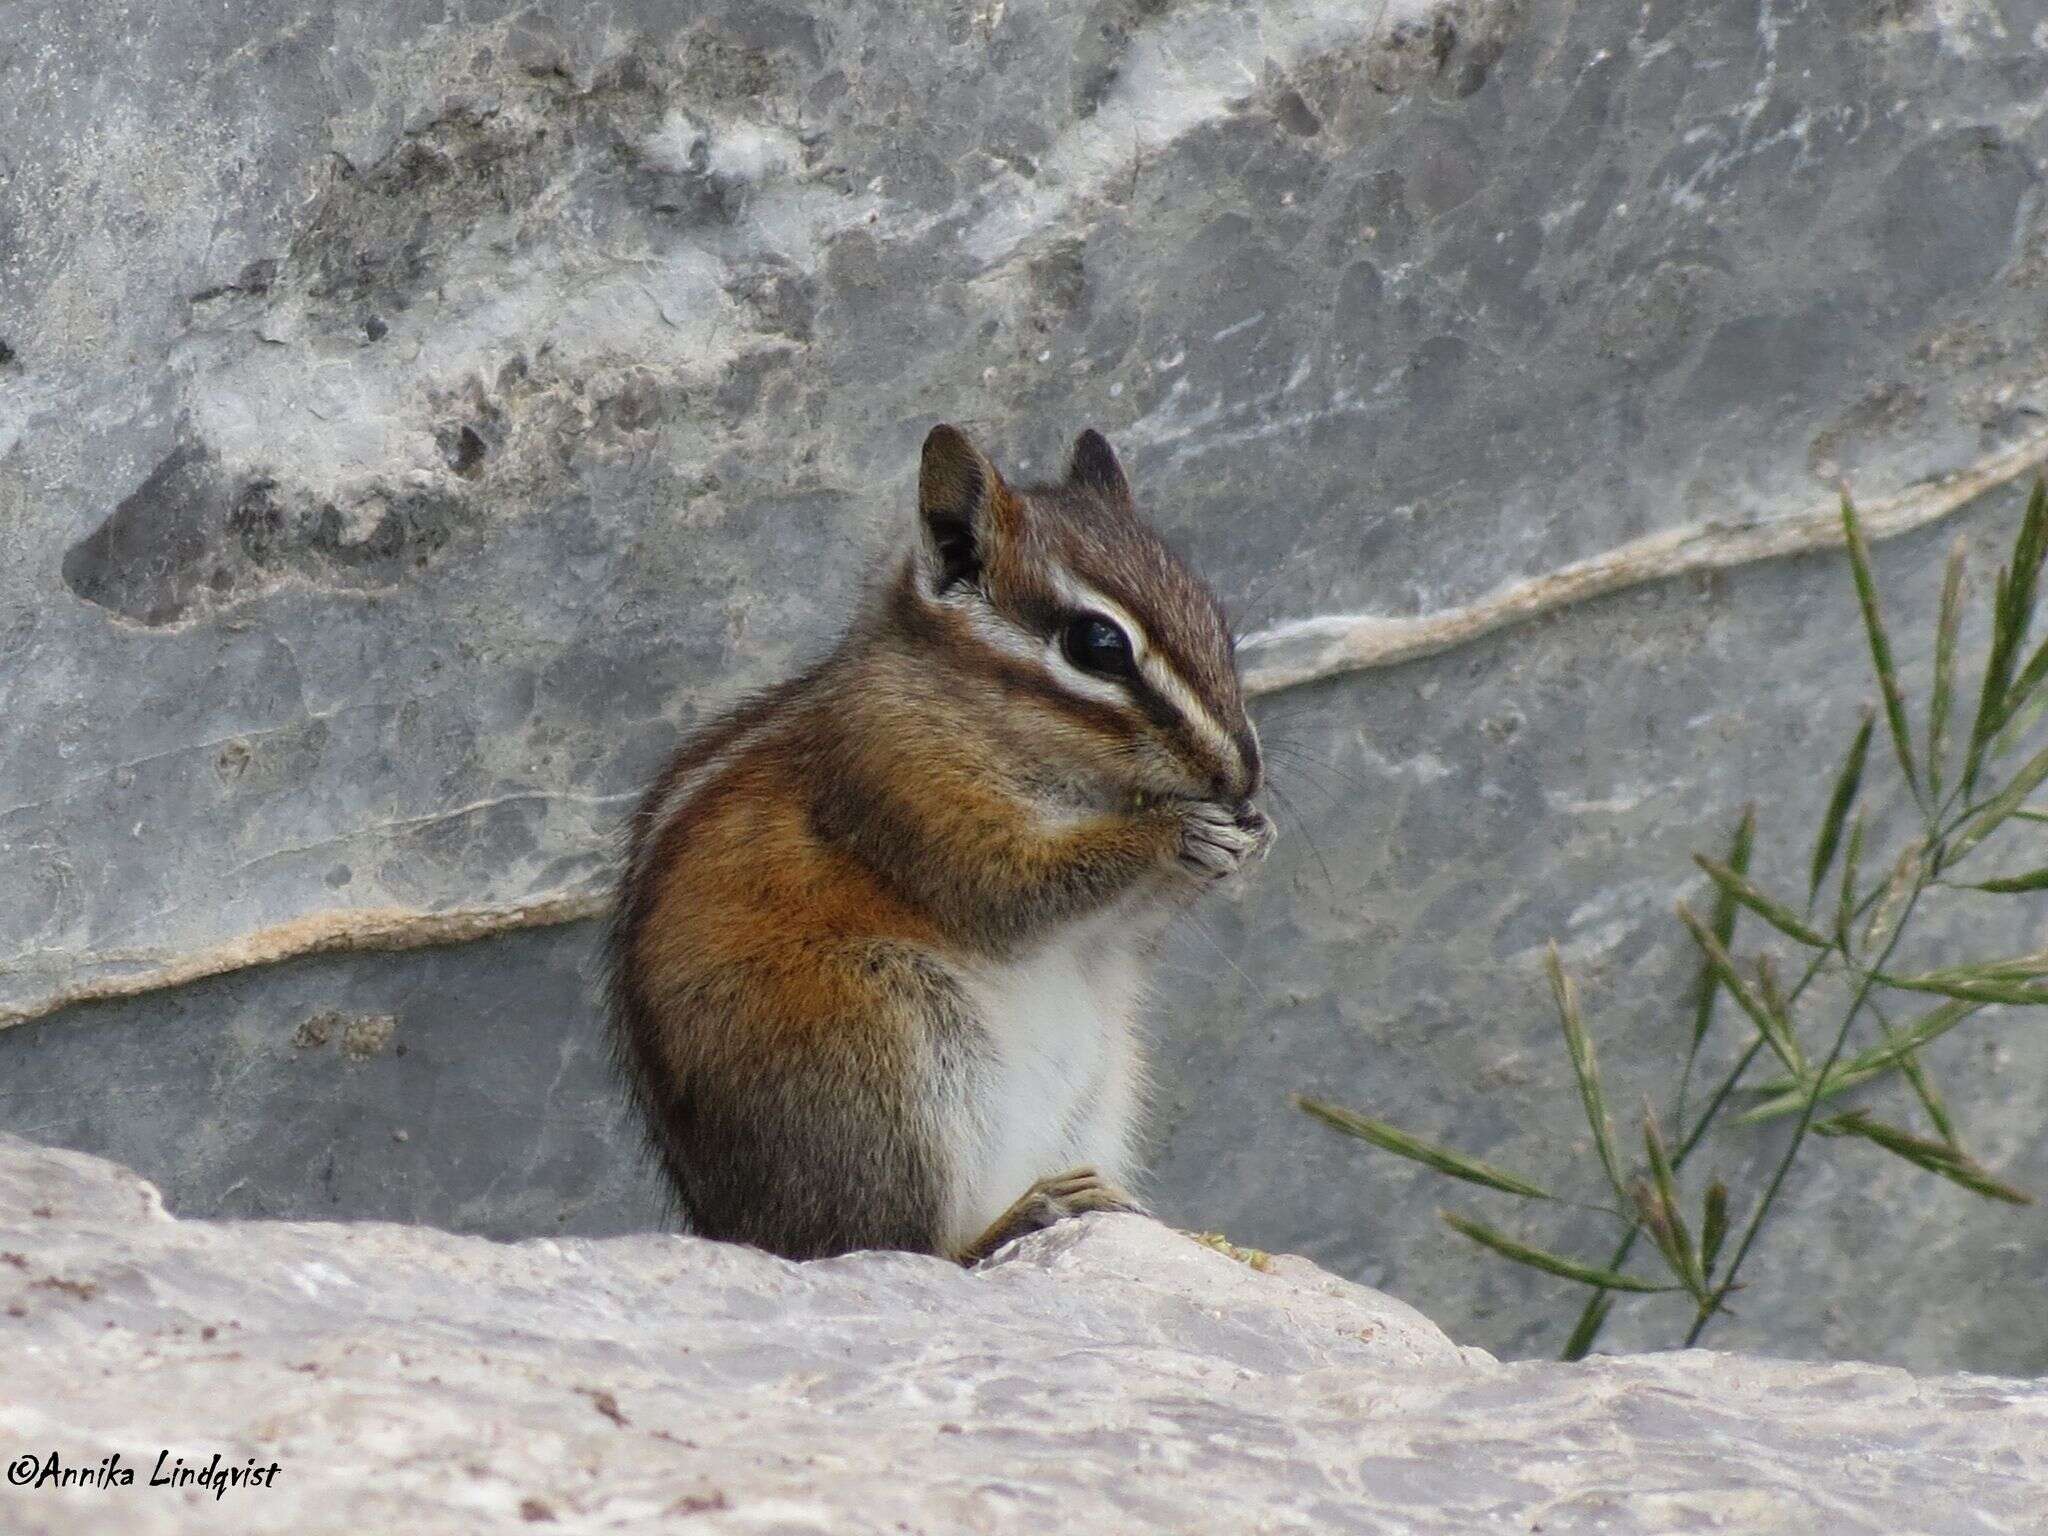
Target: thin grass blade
(2012,611)
(2033,880)
(1654,1218)
(2022,715)
(1934,1156)
(1591,1321)
(1773,998)
(1947,624)
(1765,906)
(2016,613)
(1929,1026)
(1792,1101)
(1884,917)
(1737,988)
(1708,985)
(1840,798)
(2016,967)
(2027,967)
(2015,994)
(1684,1255)
(2024,686)
(2028,550)
(1997,679)
(1550,1263)
(1786,1095)
(2000,806)
(1713,1224)
(1976,1178)
(1392,1139)
(1585,1066)
(1852,870)
(1924,1090)
(2032,674)
(1880,646)
(1725,906)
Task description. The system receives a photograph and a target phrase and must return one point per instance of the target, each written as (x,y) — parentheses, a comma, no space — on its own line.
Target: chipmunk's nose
(1251,767)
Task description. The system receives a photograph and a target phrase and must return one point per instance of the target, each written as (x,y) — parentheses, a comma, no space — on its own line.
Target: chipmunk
(883,932)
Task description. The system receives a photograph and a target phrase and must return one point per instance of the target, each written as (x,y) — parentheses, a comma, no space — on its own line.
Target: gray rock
(412,418)
(1108,1375)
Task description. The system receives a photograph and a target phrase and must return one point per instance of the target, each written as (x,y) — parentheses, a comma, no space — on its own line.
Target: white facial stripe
(1074,680)
(1156,669)
(1191,709)
(991,628)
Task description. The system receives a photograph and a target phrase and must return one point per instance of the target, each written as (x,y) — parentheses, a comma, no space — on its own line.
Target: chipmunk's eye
(1095,645)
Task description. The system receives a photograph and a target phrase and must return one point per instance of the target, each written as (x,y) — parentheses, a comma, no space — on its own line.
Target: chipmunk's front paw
(1053,1199)
(1217,841)
(1075,1193)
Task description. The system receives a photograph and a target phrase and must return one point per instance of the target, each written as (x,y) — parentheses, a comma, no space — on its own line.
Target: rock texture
(1110,1375)
(413,416)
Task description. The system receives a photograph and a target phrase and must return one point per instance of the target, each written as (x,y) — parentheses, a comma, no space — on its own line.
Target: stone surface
(1109,1375)
(412,417)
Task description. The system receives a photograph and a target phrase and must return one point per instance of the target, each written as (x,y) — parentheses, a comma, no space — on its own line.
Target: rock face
(1110,1375)
(413,416)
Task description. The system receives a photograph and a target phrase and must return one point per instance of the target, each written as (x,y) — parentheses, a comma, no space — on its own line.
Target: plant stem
(1806,1115)
(1930,867)
(1589,1326)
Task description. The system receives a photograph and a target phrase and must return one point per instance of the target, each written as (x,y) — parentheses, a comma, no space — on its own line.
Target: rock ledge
(1110,1375)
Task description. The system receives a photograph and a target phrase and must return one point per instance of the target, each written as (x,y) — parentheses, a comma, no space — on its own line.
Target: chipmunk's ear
(963,507)
(1094,465)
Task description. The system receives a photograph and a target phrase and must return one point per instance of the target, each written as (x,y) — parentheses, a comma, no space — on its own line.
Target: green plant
(1846,932)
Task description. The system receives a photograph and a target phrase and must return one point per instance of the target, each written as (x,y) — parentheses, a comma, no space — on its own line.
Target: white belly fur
(1063,1080)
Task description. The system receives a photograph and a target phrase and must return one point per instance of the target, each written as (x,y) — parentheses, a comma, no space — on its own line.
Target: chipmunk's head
(1099,651)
